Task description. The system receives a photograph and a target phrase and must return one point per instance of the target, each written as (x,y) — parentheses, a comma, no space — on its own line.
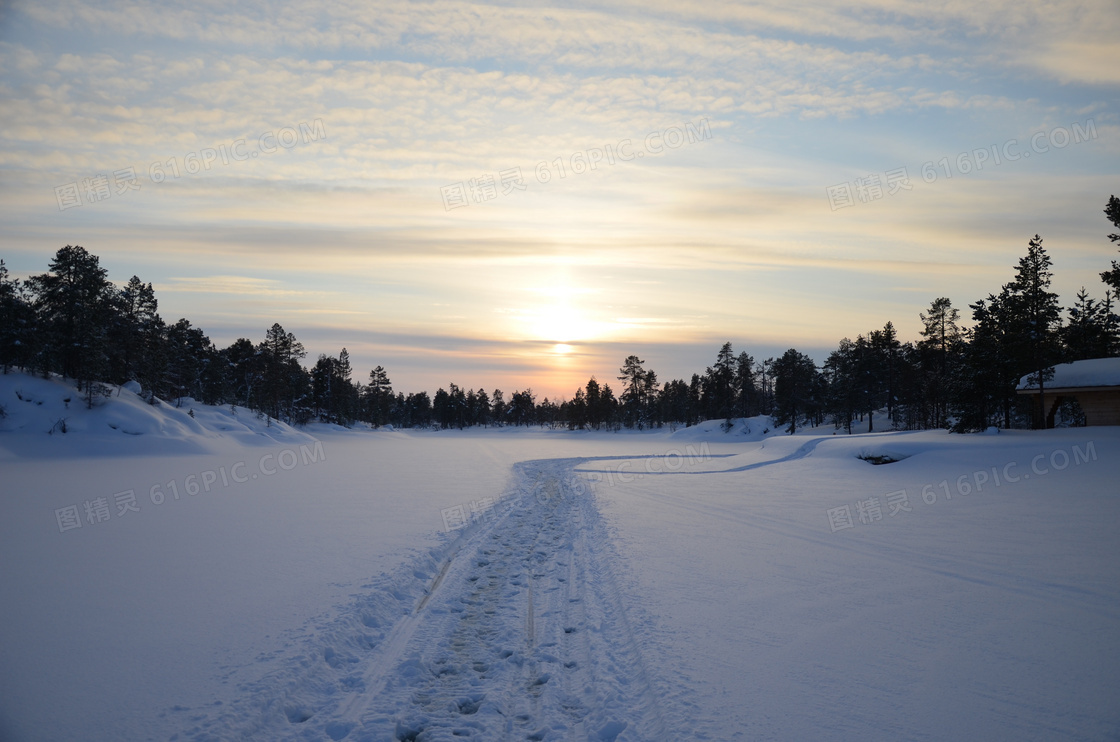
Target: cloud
(1096,63)
(347,236)
(235,285)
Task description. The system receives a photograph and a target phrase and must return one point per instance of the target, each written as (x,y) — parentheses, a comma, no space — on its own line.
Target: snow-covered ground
(276,584)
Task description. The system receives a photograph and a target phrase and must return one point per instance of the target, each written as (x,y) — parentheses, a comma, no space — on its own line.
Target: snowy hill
(741,429)
(49,417)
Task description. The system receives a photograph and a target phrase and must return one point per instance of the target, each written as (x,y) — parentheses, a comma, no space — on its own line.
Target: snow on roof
(1093,372)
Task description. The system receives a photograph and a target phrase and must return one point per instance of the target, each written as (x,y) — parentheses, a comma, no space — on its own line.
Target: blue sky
(338,168)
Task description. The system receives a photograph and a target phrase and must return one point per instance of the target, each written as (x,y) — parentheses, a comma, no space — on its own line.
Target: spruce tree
(1037,316)
(1093,330)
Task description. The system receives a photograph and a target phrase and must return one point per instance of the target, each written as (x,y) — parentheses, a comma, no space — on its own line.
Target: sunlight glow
(558,318)
(561,323)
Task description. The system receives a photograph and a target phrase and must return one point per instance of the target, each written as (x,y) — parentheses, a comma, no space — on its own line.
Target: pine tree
(187,352)
(285,385)
(418,410)
(675,403)
(73,303)
(377,397)
(840,371)
(522,407)
(886,345)
(1093,330)
(441,408)
(591,397)
(17,323)
(322,377)
(765,374)
(797,389)
(457,403)
(633,377)
(577,411)
(695,388)
(980,394)
(746,394)
(608,405)
(1112,277)
(334,395)
(868,371)
(719,385)
(482,399)
(938,358)
(135,335)
(244,369)
(498,408)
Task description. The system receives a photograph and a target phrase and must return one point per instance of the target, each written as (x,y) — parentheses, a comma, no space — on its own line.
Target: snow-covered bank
(688,585)
(50,418)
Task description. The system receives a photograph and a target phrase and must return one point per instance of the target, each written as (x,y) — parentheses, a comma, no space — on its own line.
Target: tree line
(74,322)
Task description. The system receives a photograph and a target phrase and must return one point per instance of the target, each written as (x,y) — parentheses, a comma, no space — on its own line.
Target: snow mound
(1093,372)
(49,417)
(741,429)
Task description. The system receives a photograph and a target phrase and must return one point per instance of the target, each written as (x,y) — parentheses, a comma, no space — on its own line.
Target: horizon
(314,168)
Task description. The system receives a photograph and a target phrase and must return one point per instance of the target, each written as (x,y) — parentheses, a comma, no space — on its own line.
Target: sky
(521,195)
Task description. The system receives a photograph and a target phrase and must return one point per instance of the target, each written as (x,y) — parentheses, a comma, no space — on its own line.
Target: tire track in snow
(526,637)
(517,631)
(435,584)
(802,451)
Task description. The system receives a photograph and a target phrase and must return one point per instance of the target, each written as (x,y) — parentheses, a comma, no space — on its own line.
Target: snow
(1093,372)
(634,586)
(122,422)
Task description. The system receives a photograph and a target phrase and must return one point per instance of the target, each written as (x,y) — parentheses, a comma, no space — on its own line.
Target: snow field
(992,615)
(657,586)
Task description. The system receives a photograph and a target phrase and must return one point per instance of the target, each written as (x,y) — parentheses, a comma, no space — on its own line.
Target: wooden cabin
(1094,383)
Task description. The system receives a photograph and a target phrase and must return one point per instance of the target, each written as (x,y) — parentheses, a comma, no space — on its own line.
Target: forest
(74,322)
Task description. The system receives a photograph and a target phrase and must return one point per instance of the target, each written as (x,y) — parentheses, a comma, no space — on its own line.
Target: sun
(560,322)
(556,315)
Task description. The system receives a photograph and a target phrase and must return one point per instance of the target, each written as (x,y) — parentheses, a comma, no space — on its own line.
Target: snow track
(519,633)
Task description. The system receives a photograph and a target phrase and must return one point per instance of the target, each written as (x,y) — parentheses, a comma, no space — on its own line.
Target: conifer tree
(1112,277)
(73,302)
(938,358)
(17,322)
(1093,330)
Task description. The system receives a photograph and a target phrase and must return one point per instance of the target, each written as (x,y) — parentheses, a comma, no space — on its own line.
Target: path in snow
(520,634)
